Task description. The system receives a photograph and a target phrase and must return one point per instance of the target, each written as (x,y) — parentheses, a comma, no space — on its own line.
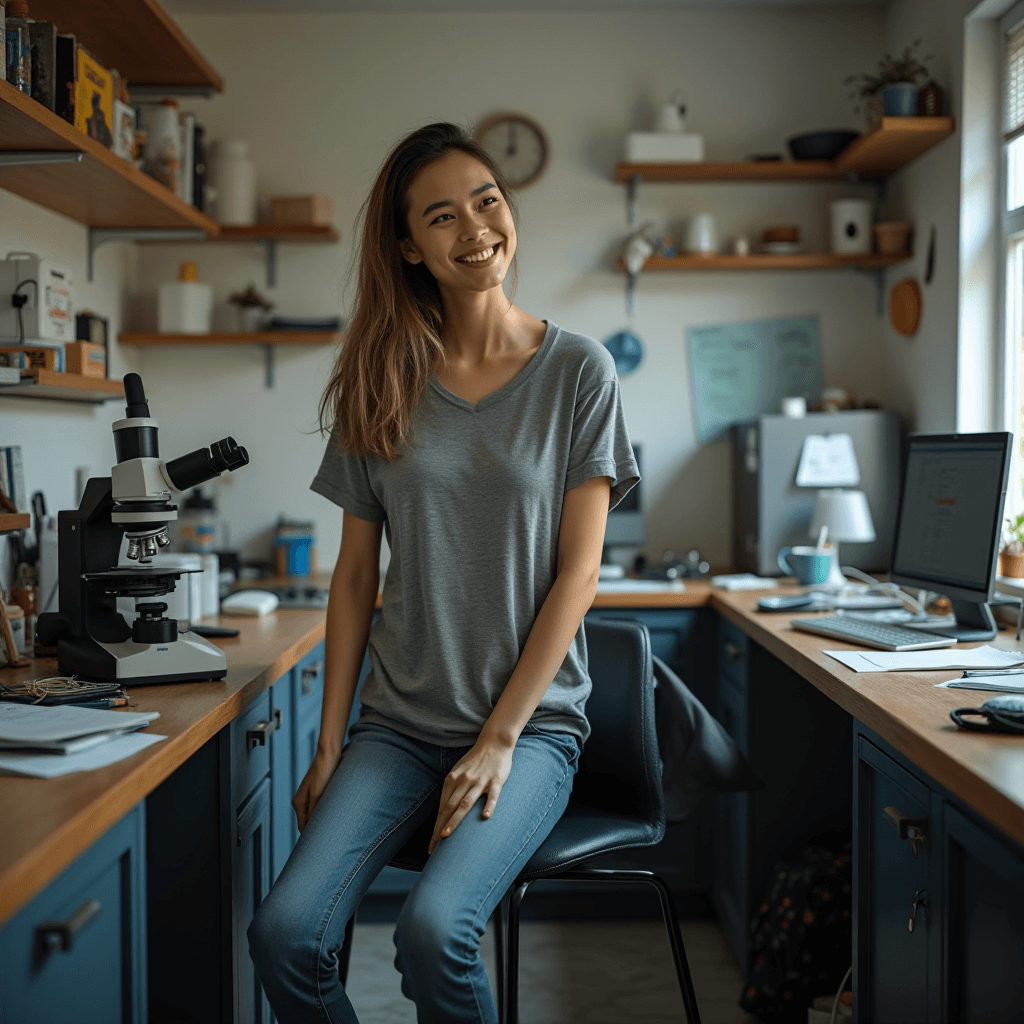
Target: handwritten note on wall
(742,370)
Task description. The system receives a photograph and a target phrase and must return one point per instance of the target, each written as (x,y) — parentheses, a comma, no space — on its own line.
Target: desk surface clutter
(48,822)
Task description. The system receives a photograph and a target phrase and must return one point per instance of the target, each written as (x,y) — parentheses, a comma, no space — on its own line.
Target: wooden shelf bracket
(97,236)
(23,158)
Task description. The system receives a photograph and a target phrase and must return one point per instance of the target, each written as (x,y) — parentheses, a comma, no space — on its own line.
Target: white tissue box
(664,147)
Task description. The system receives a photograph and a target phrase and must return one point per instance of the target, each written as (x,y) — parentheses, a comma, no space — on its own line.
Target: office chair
(616,803)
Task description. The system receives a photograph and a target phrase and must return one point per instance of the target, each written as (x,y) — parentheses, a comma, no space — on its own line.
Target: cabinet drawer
(250,747)
(77,951)
(733,653)
(309,684)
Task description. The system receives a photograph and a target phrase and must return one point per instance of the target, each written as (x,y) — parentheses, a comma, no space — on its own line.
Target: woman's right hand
(313,785)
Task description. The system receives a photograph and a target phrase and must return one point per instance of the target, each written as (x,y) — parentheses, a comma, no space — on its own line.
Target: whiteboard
(739,371)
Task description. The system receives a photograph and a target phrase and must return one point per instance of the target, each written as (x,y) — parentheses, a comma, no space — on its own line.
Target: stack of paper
(975,658)
(49,741)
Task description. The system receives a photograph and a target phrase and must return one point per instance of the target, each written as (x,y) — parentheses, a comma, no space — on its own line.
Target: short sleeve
(343,478)
(600,443)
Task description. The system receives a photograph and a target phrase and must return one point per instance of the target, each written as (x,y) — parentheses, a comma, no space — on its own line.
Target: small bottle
(163,143)
(197,524)
(18,46)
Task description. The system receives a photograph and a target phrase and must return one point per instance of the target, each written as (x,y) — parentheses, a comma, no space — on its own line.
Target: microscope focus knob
(150,627)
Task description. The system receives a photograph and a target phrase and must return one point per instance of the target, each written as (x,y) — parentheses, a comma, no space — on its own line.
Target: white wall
(922,371)
(341,89)
(57,437)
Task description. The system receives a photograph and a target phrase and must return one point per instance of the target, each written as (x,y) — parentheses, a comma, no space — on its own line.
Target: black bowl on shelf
(820,145)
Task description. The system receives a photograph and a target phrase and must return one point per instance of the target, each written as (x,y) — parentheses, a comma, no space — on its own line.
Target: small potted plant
(252,309)
(1011,557)
(894,84)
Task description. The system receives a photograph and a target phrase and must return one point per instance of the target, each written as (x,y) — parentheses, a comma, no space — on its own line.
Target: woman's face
(460,227)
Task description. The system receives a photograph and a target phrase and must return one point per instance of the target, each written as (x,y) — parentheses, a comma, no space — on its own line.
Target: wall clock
(518,145)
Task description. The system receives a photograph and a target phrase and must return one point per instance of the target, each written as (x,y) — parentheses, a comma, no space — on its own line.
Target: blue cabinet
(962,960)
(77,951)
(283,780)
(251,883)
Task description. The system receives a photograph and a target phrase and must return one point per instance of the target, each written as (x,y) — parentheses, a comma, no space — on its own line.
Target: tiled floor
(597,973)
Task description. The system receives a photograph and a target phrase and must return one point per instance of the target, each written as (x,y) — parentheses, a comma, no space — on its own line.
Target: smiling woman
(472,717)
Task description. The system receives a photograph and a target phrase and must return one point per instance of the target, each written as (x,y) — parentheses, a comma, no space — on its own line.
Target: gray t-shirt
(471,511)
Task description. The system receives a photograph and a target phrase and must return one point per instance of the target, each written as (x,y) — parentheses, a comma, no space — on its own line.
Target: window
(1012,26)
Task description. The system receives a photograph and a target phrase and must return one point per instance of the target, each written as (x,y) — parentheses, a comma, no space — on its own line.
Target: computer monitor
(626,525)
(949,523)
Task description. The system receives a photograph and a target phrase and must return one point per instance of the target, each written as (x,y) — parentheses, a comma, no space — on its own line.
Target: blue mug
(807,564)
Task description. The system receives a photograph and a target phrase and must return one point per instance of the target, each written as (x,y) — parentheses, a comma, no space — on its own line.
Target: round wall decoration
(905,306)
(627,351)
(518,145)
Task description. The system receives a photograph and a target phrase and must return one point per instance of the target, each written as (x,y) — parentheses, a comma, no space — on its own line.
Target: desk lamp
(848,518)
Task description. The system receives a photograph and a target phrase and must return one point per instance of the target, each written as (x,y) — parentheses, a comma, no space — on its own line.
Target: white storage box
(47,314)
(184,307)
(664,147)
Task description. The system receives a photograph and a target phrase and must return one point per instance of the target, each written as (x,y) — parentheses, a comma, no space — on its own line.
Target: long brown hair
(392,344)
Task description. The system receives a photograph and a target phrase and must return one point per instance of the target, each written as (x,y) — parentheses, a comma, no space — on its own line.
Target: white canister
(162,154)
(851,226)
(234,177)
(184,307)
(701,236)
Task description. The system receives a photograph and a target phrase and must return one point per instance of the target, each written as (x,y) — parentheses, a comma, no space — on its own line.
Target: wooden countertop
(47,823)
(986,771)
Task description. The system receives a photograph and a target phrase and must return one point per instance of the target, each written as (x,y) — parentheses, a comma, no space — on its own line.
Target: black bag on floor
(802,935)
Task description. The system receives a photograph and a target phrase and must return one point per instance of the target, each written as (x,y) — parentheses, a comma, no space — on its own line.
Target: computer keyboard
(880,635)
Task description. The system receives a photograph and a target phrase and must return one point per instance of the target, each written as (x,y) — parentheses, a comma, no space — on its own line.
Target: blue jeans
(386,785)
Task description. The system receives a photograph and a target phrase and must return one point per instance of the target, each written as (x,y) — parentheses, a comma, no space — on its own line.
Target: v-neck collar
(506,389)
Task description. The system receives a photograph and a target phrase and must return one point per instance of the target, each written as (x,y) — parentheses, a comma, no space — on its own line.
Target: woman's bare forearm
(349,613)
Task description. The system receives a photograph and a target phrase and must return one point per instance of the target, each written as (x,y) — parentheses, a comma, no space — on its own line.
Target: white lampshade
(845,513)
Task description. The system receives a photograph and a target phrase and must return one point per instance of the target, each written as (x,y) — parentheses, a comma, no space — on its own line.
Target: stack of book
(45,742)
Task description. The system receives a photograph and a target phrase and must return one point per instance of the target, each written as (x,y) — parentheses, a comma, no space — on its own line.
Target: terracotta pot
(892,235)
(1011,565)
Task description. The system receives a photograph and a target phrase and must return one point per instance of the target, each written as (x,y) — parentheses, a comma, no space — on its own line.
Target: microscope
(93,640)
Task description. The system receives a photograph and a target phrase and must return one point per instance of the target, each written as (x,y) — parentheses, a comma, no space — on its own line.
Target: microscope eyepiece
(205,463)
(136,397)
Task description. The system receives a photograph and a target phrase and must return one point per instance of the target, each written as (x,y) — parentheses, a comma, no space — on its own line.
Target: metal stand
(97,237)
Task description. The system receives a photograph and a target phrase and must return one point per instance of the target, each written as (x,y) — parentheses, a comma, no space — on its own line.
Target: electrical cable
(839,992)
(884,588)
(17,301)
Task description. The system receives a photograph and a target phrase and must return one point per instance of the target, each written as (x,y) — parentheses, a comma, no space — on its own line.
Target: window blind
(1014,120)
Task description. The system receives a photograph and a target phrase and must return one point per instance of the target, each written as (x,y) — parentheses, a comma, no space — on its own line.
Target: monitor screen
(950,514)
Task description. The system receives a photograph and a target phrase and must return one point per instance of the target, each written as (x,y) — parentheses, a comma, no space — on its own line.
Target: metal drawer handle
(914,829)
(257,737)
(918,901)
(278,718)
(308,675)
(733,651)
(51,935)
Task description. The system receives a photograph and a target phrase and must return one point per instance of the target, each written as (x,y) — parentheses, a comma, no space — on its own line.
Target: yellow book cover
(94,98)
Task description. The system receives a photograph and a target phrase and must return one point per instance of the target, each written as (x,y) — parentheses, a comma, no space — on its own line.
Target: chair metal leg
(517,893)
(498,921)
(668,913)
(346,951)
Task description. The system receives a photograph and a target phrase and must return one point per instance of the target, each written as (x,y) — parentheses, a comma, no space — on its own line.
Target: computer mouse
(249,602)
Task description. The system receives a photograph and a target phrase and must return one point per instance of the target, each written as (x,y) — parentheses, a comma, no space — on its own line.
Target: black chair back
(620,769)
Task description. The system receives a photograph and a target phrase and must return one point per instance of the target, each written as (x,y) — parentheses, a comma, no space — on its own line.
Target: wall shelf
(14,521)
(138,38)
(68,387)
(269,235)
(768,261)
(100,190)
(266,339)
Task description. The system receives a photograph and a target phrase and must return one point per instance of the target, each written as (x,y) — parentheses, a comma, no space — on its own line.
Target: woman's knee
(431,929)
(277,931)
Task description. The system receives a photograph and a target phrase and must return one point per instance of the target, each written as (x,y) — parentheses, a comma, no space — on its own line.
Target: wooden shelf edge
(276,233)
(766,261)
(14,521)
(64,137)
(232,338)
(72,387)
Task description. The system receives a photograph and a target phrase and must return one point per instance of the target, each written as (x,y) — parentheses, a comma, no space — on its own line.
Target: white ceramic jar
(851,226)
(234,177)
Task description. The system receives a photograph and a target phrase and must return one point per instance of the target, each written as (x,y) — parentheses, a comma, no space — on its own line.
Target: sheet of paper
(928,661)
(828,460)
(995,684)
(641,586)
(32,722)
(744,581)
(49,766)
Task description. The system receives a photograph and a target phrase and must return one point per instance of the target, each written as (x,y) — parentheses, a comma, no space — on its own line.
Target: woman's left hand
(484,769)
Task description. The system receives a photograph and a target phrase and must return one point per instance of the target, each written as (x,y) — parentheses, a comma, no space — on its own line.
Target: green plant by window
(1015,531)
(891,70)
